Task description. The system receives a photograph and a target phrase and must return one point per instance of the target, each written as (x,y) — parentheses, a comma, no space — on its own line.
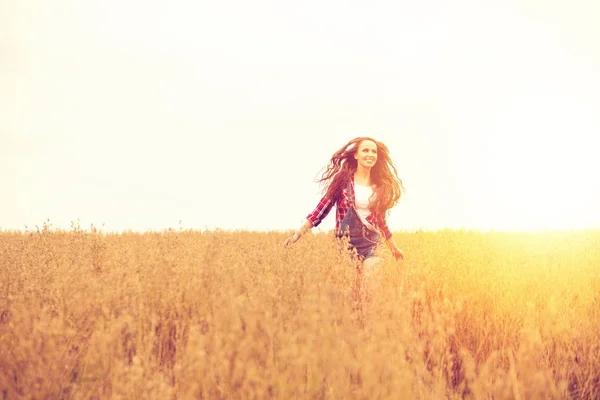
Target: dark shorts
(358,237)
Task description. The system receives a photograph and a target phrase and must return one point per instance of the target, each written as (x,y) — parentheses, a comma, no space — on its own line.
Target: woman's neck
(362,176)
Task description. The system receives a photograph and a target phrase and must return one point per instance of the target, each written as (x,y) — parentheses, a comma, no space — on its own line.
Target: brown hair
(341,167)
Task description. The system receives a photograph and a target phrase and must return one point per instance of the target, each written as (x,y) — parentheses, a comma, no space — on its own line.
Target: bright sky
(140,114)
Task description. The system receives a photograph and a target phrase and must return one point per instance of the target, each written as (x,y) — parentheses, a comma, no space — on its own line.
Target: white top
(361,203)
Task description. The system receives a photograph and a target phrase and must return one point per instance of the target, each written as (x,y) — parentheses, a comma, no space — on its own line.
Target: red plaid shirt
(342,206)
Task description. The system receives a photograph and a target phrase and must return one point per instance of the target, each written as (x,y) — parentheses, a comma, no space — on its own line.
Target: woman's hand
(294,238)
(397,253)
(291,240)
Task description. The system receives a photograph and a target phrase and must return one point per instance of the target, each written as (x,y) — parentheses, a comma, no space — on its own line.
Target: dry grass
(182,314)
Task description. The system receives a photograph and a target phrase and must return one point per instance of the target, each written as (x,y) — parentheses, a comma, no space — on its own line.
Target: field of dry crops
(185,314)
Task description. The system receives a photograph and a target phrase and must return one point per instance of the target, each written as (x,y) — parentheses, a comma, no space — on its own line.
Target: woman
(363,183)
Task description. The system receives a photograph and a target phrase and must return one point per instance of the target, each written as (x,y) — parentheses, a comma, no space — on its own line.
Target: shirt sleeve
(320,212)
(384,227)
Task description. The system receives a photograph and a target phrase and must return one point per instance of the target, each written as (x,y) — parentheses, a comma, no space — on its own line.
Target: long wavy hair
(341,167)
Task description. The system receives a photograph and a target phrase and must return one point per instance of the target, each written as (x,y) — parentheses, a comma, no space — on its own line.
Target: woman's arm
(389,239)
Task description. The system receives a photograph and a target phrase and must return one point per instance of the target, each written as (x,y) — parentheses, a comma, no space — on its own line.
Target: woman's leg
(371,268)
(370,280)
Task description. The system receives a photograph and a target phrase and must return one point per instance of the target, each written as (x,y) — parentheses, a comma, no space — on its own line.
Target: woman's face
(366,155)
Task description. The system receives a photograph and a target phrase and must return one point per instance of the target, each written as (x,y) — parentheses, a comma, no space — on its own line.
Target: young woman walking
(362,182)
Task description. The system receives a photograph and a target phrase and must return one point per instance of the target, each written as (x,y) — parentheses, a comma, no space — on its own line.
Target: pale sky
(220,114)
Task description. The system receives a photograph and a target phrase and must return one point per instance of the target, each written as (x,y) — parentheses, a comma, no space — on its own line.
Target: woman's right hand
(298,234)
(291,240)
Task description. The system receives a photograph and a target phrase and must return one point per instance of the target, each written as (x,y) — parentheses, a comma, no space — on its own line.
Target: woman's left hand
(397,253)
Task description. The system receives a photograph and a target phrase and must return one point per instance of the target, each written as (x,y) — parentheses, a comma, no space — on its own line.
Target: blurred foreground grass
(184,314)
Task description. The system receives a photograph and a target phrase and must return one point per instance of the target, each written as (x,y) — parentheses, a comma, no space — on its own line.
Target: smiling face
(366,155)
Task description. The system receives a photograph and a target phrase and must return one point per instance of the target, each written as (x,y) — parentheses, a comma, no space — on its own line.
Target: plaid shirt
(342,206)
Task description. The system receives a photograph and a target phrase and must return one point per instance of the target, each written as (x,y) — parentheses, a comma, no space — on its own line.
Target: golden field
(187,314)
